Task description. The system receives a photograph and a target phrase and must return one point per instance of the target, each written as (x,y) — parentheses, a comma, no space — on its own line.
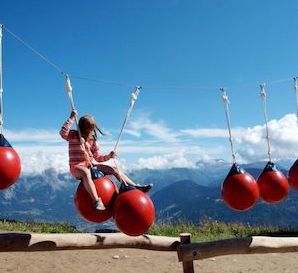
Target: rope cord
(296,95)
(263,97)
(133,99)
(101,81)
(168,87)
(226,102)
(1,87)
(36,52)
(152,87)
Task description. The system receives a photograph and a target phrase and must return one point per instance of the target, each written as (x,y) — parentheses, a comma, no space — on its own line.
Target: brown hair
(88,124)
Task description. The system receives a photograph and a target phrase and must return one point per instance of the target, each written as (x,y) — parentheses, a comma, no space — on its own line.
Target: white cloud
(156,129)
(42,149)
(205,132)
(133,132)
(166,161)
(252,145)
(36,159)
(212,132)
(33,135)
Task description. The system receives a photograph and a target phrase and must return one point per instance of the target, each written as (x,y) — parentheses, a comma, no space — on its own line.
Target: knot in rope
(68,86)
(225,97)
(135,94)
(263,92)
(263,96)
(226,101)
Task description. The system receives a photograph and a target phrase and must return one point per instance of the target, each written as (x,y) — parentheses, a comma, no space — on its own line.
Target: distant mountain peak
(211,162)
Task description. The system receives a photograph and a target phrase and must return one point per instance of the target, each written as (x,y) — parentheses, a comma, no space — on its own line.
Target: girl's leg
(84,173)
(112,171)
(122,177)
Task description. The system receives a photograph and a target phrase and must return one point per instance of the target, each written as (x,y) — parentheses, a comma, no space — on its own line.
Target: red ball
(134,212)
(10,167)
(293,176)
(106,190)
(273,185)
(240,191)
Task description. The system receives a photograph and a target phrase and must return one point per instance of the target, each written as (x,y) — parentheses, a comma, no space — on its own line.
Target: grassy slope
(206,231)
(8,225)
(210,230)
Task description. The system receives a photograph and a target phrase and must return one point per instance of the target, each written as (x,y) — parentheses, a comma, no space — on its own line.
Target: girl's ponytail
(99,130)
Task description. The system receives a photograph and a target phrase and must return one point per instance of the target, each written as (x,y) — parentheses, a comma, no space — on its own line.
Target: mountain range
(178,194)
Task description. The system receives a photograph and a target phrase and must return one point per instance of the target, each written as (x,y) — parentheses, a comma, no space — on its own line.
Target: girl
(84,151)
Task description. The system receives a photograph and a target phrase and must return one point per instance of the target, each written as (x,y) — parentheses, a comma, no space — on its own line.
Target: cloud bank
(152,144)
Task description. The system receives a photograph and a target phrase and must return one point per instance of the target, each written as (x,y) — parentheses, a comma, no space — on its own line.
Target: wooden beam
(250,245)
(185,238)
(15,241)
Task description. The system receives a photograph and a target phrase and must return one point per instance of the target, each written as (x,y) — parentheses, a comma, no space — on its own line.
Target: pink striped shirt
(76,150)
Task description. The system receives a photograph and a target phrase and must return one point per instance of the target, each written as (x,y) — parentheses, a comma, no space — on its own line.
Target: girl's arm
(97,155)
(64,132)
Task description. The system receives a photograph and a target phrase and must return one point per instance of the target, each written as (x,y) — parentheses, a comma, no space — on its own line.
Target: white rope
(100,81)
(178,88)
(133,99)
(152,87)
(263,97)
(1,87)
(68,89)
(296,95)
(35,51)
(227,112)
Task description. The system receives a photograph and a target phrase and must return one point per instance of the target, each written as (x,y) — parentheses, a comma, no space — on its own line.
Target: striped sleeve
(65,129)
(96,153)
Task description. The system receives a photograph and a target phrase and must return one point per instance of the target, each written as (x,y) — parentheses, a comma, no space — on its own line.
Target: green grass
(210,230)
(207,230)
(10,225)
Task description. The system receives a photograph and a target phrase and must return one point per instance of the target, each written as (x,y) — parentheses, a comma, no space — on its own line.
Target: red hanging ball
(239,190)
(10,164)
(293,175)
(273,185)
(134,212)
(107,190)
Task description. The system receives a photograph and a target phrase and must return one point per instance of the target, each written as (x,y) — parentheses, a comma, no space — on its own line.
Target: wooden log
(15,241)
(185,238)
(250,245)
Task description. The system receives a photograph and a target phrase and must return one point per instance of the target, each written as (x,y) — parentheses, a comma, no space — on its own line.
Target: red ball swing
(273,184)
(10,164)
(239,190)
(134,211)
(106,189)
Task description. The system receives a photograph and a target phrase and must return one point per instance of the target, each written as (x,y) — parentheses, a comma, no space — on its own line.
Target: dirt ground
(140,261)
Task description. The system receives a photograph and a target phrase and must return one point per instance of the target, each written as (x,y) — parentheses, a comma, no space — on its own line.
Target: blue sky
(181,52)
